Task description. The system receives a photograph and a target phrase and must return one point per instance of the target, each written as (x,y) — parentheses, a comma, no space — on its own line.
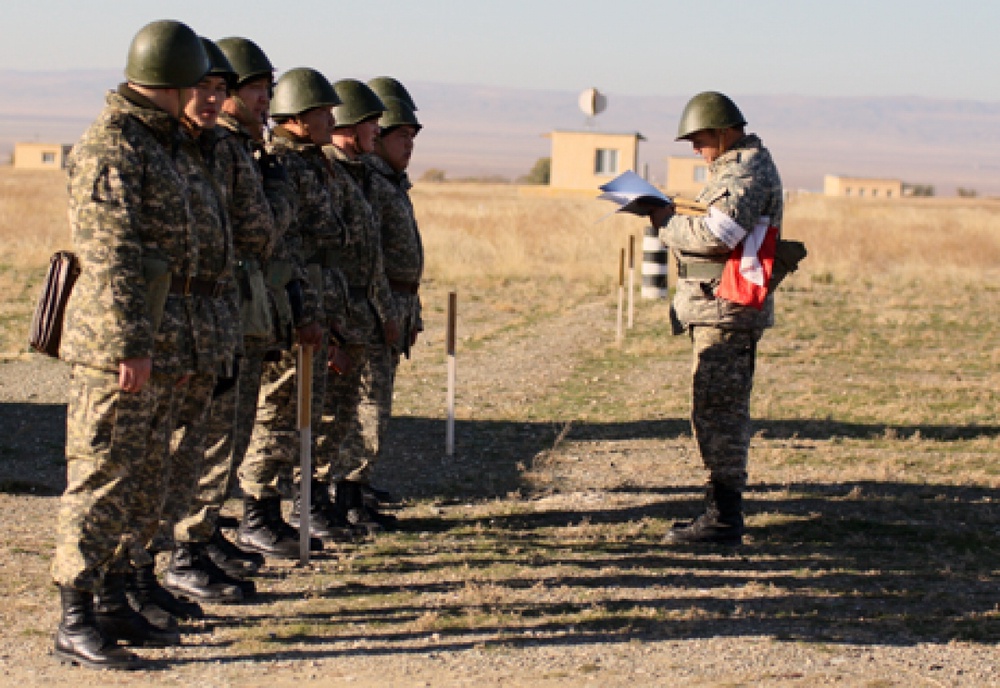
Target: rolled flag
(747,273)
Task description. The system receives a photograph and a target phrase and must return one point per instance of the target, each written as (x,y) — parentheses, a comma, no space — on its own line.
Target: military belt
(186,286)
(402,287)
(700,271)
(326,257)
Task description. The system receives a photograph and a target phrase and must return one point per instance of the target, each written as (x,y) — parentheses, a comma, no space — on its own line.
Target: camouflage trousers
(274,447)
(357,411)
(228,429)
(722,380)
(116,446)
(193,405)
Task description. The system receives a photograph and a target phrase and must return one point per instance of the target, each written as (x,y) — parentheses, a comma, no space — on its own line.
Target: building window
(48,158)
(847,191)
(606,161)
(874,193)
(701,174)
(861,193)
(888,193)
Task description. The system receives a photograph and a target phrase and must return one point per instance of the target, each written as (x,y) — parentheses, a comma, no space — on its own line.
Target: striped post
(654,265)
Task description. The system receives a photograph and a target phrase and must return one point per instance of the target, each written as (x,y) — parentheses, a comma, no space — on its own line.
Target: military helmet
(247,59)
(387,87)
(302,89)
(166,54)
(358,103)
(709,110)
(397,113)
(219,65)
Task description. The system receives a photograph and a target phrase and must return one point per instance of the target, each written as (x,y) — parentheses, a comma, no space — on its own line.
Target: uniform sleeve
(111,296)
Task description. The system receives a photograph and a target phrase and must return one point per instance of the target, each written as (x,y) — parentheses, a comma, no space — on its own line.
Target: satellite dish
(593,102)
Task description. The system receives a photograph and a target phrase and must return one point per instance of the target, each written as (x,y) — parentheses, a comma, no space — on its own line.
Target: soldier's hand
(133,374)
(310,335)
(391,331)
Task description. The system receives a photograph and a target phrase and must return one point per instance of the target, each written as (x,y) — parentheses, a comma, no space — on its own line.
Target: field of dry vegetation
(533,556)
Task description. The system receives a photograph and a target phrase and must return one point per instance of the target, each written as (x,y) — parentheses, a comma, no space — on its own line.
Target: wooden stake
(631,280)
(621,295)
(449,442)
(304,411)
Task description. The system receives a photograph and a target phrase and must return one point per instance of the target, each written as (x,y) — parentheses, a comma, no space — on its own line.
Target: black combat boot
(325,521)
(146,592)
(352,503)
(119,621)
(230,558)
(79,639)
(722,522)
(264,530)
(192,576)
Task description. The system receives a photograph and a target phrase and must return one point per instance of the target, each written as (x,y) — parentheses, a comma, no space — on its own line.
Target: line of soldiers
(210,248)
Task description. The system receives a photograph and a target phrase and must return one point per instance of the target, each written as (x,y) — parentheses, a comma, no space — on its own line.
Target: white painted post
(621,295)
(631,280)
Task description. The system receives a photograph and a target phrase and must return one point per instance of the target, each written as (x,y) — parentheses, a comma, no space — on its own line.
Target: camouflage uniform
(312,235)
(215,312)
(403,256)
(744,185)
(132,223)
(259,212)
(348,438)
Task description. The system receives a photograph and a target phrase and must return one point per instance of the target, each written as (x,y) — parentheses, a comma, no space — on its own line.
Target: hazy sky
(662,47)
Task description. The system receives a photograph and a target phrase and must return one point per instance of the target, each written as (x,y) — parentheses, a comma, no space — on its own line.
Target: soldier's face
(707,144)
(256,95)
(396,146)
(206,101)
(365,134)
(318,125)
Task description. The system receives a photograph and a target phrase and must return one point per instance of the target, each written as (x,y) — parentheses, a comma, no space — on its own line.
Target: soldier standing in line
(207,404)
(402,250)
(373,324)
(131,225)
(301,108)
(744,196)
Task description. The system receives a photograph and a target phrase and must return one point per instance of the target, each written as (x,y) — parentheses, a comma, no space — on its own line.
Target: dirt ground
(532,557)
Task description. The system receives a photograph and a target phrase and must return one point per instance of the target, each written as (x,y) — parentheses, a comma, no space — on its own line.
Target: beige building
(40,156)
(686,175)
(862,187)
(585,160)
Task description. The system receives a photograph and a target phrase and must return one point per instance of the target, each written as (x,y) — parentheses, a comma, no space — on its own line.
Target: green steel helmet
(166,54)
(301,89)
(397,113)
(709,110)
(358,103)
(219,64)
(247,59)
(388,87)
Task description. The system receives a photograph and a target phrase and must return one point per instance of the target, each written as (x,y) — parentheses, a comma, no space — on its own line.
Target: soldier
(207,410)
(745,199)
(301,108)
(402,250)
(131,226)
(349,436)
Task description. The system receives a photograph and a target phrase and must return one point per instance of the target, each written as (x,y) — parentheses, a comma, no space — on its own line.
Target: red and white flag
(747,272)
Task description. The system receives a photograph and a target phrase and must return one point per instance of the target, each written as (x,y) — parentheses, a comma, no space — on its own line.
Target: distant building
(585,160)
(40,156)
(686,175)
(862,187)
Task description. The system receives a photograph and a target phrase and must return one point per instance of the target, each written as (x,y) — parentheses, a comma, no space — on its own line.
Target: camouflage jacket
(260,211)
(215,333)
(360,255)
(316,232)
(744,185)
(402,248)
(128,201)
